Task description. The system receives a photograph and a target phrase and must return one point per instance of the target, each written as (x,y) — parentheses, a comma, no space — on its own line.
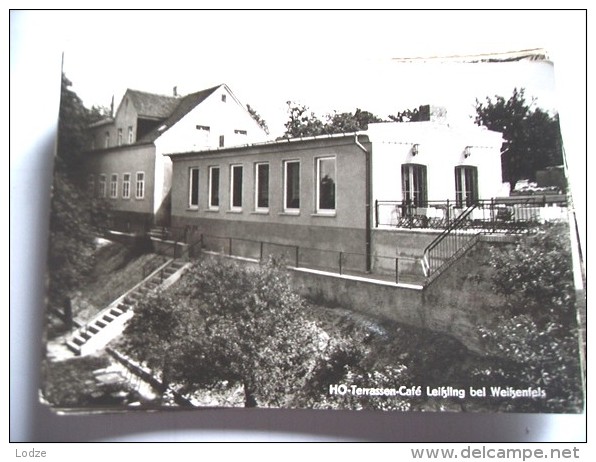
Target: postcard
(394,235)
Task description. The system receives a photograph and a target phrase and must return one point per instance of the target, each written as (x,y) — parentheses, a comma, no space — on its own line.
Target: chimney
(430,113)
(175,91)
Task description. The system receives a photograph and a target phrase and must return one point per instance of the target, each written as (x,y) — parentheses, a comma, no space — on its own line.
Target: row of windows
(120,138)
(325,186)
(125,191)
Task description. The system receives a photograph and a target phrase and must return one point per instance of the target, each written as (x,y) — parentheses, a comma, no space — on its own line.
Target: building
(344,193)
(126,163)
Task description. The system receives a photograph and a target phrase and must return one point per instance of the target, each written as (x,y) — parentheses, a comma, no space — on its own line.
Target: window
(140,186)
(107,140)
(91,184)
(203,138)
(102,186)
(213,187)
(114,186)
(413,178)
(193,189)
(130,135)
(291,185)
(240,132)
(326,184)
(126,186)
(224,98)
(119,137)
(466,185)
(236,187)
(262,187)
(221,141)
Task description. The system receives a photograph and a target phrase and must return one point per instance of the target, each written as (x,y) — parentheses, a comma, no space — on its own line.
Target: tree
(158,332)
(75,216)
(233,324)
(258,119)
(346,122)
(303,122)
(535,334)
(407,115)
(73,139)
(531,135)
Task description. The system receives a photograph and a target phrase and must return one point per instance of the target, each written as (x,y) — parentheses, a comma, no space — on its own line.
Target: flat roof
(274,143)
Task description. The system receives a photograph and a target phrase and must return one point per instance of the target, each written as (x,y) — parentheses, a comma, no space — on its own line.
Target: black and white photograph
(235,224)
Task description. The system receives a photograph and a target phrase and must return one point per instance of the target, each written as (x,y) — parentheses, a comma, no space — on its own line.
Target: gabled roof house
(126,162)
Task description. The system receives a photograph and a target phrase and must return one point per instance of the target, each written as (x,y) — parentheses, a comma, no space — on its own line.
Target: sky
(328,61)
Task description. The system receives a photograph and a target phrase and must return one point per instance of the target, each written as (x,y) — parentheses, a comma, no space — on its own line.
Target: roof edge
(278,142)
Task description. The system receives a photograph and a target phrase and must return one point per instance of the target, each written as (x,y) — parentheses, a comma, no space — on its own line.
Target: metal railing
(502,214)
(385,268)
(447,245)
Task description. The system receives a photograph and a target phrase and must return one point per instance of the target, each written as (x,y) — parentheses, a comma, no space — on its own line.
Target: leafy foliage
(75,216)
(346,361)
(535,335)
(236,324)
(258,119)
(532,135)
(70,258)
(232,324)
(72,383)
(407,115)
(536,276)
(302,122)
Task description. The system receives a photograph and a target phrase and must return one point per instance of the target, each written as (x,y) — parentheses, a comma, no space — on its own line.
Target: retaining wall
(455,304)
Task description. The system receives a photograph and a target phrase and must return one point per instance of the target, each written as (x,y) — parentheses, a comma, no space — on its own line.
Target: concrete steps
(111,321)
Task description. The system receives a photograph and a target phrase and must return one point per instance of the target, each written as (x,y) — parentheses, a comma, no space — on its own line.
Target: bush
(535,336)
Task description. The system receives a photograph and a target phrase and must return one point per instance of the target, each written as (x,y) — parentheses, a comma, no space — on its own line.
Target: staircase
(449,246)
(110,322)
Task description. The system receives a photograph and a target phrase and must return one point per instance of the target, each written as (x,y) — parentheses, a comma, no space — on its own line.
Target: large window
(102,186)
(130,135)
(214,188)
(413,177)
(292,185)
(119,137)
(114,186)
(126,186)
(140,186)
(466,185)
(236,187)
(326,184)
(193,189)
(107,140)
(262,187)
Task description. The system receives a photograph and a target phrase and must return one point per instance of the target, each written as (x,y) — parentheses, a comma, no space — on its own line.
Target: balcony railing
(504,214)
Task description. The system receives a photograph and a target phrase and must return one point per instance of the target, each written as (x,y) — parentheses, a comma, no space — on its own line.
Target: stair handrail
(455,225)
